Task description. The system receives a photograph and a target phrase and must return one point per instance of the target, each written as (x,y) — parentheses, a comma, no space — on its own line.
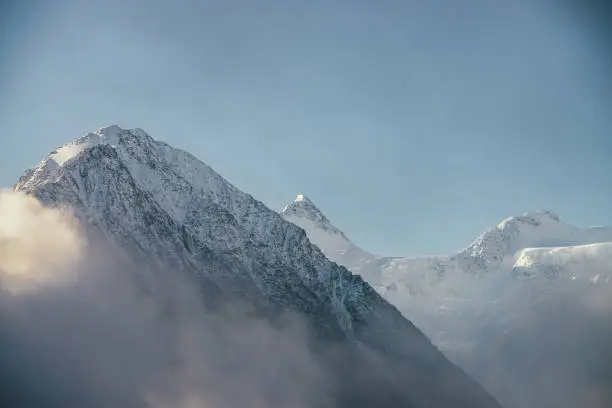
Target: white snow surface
(67,152)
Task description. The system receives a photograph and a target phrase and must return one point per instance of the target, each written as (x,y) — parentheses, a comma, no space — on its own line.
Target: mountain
(303,213)
(476,304)
(165,209)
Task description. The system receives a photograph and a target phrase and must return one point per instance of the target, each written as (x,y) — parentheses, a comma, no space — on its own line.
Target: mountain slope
(167,209)
(474,303)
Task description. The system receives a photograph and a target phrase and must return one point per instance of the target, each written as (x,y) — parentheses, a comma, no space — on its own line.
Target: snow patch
(68,152)
(106,135)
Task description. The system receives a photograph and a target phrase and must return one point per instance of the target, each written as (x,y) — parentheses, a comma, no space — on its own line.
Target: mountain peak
(532,229)
(303,213)
(303,207)
(108,135)
(533,218)
(111,135)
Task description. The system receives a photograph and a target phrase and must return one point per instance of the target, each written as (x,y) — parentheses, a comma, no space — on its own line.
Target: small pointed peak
(302,210)
(303,206)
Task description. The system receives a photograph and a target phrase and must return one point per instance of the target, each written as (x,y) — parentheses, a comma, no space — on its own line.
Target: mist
(82,326)
(545,343)
(85,324)
(538,341)
(557,354)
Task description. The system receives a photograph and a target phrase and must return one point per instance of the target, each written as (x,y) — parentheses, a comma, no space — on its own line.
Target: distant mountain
(165,208)
(334,244)
(473,304)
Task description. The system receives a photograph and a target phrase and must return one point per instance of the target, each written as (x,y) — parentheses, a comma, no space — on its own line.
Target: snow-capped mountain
(303,213)
(514,243)
(167,209)
(467,302)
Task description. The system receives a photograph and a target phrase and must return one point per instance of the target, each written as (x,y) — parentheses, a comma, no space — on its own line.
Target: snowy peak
(321,232)
(303,207)
(117,140)
(172,176)
(530,230)
(111,135)
(541,228)
(534,219)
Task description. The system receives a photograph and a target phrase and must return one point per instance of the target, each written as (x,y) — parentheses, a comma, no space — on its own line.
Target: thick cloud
(38,245)
(76,329)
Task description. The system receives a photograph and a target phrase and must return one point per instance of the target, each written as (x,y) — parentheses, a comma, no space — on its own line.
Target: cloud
(81,325)
(32,236)
(550,351)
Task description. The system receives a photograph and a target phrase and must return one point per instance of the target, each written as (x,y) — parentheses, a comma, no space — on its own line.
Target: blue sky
(413,125)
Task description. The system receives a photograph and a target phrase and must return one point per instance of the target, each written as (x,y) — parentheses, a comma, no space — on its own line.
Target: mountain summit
(332,241)
(303,207)
(164,208)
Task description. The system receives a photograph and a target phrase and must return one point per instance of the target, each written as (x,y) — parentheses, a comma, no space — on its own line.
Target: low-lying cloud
(82,325)
(38,245)
(535,342)
(78,330)
(558,354)
(550,349)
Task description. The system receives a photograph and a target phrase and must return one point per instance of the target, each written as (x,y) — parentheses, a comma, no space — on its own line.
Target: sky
(412,125)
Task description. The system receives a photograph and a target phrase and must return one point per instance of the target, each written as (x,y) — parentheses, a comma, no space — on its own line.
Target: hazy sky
(414,125)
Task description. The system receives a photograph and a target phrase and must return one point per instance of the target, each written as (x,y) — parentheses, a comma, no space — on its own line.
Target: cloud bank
(32,236)
(77,330)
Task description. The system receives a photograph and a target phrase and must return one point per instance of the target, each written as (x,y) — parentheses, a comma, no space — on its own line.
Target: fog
(556,353)
(531,342)
(82,325)
(78,329)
